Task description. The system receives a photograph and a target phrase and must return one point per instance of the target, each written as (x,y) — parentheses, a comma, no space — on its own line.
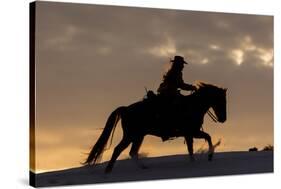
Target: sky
(91,59)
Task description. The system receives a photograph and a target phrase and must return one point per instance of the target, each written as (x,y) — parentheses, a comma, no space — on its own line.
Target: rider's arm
(185,86)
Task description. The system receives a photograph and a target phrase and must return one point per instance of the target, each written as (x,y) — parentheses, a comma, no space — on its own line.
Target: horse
(142,118)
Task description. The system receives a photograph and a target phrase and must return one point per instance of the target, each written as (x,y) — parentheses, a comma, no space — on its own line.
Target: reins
(214,118)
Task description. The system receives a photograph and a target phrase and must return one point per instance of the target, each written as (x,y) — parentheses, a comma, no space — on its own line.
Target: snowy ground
(175,166)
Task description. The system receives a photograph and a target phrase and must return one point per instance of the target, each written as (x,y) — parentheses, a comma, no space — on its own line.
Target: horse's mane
(207,88)
(203,85)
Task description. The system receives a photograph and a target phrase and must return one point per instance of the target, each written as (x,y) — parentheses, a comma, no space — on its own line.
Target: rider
(172,80)
(168,90)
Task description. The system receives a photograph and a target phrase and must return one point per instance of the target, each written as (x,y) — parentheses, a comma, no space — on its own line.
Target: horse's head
(216,97)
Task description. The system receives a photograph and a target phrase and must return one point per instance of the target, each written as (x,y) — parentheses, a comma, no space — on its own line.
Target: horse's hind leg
(206,136)
(189,144)
(117,151)
(134,151)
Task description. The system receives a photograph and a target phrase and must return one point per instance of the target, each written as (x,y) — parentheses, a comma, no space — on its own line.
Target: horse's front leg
(189,144)
(206,136)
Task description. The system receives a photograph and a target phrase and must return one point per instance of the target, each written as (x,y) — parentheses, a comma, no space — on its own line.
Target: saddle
(163,103)
(164,110)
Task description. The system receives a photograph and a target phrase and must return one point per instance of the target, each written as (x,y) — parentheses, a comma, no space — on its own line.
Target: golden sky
(91,59)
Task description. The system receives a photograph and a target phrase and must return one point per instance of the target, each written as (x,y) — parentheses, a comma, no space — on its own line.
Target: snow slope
(165,167)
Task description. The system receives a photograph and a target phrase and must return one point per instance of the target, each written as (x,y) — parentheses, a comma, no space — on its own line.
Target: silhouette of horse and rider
(167,114)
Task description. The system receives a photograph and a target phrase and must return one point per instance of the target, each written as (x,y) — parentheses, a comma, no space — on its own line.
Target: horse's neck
(202,103)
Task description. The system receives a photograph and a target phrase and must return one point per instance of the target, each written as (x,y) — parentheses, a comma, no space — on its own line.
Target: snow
(165,167)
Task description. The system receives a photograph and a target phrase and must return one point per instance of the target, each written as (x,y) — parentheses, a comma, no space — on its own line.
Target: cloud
(167,49)
(237,56)
(62,41)
(123,32)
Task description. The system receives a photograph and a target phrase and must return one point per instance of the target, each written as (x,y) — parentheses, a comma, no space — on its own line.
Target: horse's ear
(225,89)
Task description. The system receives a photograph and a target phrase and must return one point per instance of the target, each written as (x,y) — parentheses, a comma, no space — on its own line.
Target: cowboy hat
(179,59)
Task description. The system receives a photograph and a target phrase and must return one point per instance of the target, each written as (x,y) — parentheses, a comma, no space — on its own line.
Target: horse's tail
(99,147)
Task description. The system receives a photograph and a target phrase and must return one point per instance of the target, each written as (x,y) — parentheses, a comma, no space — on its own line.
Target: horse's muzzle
(222,120)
